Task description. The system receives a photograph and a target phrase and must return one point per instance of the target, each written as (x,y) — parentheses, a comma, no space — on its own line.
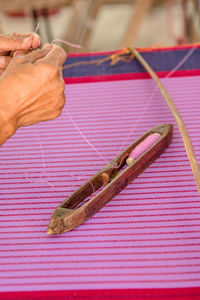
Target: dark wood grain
(67,216)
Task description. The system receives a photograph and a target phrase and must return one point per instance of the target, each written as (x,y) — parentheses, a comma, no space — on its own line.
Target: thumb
(13,43)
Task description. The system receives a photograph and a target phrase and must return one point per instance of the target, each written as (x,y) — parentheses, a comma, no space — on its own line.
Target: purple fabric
(164,60)
(147,237)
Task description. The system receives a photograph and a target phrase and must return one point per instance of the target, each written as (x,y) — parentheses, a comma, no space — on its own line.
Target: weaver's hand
(16,42)
(31,89)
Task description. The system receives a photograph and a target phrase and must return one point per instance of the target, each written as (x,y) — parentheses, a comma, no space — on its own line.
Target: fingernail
(26,41)
(36,41)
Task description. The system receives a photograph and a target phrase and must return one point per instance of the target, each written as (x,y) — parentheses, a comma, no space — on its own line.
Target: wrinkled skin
(11,43)
(31,85)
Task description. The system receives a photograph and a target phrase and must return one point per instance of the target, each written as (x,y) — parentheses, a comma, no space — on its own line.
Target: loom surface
(147,239)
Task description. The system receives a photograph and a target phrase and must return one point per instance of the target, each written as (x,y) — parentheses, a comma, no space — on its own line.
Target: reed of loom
(179,121)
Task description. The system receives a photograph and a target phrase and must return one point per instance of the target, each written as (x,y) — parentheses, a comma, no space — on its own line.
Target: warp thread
(183,60)
(36,130)
(125,56)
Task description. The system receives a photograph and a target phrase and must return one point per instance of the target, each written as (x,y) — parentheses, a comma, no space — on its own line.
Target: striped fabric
(147,237)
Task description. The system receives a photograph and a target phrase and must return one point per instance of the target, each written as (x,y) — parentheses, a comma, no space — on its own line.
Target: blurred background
(100,25)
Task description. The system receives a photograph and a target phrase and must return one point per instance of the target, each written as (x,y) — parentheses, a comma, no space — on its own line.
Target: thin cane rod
(179,121)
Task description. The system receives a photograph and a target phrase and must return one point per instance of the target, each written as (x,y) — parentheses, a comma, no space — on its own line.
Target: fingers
(32,56)
(4,61)
(36,41)
(19,42)
(49,54)
(56,55)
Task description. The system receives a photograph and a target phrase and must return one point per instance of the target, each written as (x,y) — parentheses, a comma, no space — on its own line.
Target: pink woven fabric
(147,237)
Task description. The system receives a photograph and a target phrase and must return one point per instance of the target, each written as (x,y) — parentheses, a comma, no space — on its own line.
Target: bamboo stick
(179,121)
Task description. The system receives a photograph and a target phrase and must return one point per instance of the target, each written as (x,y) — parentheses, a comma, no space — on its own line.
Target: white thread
(79,179)
(30,179)
(38,26)
(183,60)
(67,43)
(87,141)
(41,148)
(43,163)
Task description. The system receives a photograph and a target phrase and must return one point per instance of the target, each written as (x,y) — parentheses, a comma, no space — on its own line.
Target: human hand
(32,89)
(16,42)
